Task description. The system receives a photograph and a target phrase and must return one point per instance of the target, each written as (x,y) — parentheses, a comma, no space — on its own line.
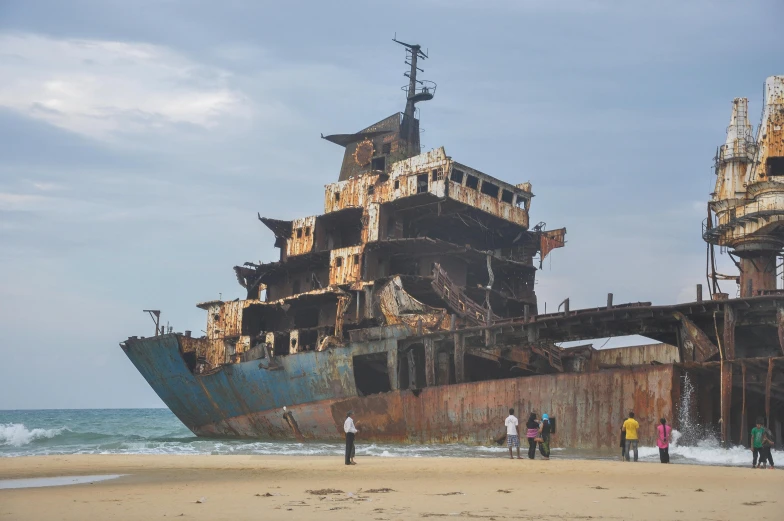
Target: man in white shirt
(512,434)
(348,427)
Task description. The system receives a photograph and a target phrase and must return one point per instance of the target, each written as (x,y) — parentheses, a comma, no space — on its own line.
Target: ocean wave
(143,432)
(707,451)
(17,435)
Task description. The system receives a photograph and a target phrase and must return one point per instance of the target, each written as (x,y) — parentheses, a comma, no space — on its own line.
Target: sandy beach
(269,487)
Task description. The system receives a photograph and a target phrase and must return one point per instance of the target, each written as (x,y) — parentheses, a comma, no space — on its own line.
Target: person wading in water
(630,427)
(663,433)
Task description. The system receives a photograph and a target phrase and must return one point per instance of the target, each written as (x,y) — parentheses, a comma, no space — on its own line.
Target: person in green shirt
(757,437)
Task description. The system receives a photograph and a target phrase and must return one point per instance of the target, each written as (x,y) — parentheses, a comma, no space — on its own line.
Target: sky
(138,140)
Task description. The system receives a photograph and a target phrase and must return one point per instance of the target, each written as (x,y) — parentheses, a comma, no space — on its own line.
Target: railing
(424,89)
(454,296)
(714,233)
(741,149)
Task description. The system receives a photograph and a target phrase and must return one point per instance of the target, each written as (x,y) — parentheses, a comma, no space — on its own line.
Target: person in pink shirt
(663,433)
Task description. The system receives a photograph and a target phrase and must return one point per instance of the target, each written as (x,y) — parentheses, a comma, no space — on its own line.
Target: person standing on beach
(767,445)
(532,432)
(623,441)
(757,433)
(758,436)
(630,427)
(544,435)
(663,433)
(351,432)
(512,433)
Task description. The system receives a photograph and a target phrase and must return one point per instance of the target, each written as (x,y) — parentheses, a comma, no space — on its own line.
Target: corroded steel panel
(638,355)
(399,307)
(696,344)
(345,265)
(488,204)
(758,274)
(426,173)
(420,163)
(736,155)
(302,236)
(771,131)
(246,399)
(589,409)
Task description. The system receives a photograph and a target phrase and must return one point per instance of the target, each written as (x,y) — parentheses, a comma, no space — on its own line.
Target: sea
(158,431)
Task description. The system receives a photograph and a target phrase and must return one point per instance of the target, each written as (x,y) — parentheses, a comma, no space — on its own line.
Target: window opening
(356,259)
(371,374)
(371,189)
(457,176)
(338,262)
(507,196)
(281,346)
(390,228)
(397,184)
(378,163)
(299,233)
(386,148)
(472,182)
(437,175)
(307,231)
(490,189)
(411,367)
(421,183)
(775,166)
(521,202)
(445,365)
(337,196)
(308,340)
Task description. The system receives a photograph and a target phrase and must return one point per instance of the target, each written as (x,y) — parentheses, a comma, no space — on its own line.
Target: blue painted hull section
(239,389)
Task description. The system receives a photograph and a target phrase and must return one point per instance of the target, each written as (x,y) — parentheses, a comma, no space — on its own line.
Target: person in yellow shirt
(630,427)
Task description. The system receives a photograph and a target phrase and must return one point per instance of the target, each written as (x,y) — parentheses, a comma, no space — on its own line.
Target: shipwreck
(410,300)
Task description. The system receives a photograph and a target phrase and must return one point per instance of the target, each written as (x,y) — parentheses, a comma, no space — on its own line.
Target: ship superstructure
(746,211)
(406,238)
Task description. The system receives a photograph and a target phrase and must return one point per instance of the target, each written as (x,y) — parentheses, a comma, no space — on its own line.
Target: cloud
(47,187)
(20,202)
(101,88)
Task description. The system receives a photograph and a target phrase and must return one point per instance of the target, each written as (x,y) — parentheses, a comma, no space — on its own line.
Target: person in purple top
(532,432)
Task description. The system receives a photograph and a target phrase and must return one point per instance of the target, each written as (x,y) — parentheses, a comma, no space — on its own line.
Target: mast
(416,91)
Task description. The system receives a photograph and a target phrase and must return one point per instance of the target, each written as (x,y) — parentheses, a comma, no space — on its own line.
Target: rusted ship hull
(246,400)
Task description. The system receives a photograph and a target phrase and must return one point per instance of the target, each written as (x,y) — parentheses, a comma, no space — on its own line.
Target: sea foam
(17,435)
(707,451)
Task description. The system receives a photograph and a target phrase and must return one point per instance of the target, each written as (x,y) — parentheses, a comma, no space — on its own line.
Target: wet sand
(278,487)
